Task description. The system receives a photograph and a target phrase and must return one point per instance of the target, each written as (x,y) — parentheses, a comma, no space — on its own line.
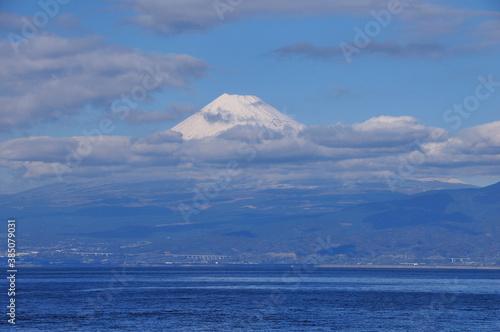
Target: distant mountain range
(431,226)
(285,223)
(247,221)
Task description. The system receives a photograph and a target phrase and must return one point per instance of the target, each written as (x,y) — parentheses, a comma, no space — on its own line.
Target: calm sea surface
(254,299)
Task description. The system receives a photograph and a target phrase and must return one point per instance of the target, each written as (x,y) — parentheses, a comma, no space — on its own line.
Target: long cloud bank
(373,149)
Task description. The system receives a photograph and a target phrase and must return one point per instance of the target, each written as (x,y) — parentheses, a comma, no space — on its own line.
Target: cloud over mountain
(371,149)
(382,131)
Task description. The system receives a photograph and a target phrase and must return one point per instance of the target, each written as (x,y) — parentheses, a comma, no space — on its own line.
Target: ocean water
(254,298)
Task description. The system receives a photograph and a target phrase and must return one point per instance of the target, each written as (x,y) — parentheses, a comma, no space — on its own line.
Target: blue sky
(427,58)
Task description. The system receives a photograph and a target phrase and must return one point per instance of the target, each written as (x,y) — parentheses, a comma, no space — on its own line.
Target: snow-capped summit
(229,111)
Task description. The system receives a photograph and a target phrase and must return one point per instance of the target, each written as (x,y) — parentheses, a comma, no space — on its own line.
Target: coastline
(429,267)
(321,266)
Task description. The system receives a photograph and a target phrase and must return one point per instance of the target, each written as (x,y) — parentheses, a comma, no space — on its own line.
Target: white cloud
(382,131)
(188,16)
(421,20)
(52,77)
(367,149)
(476,146)
(421,29)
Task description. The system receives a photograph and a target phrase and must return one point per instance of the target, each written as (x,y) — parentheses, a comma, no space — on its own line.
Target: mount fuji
(229,111)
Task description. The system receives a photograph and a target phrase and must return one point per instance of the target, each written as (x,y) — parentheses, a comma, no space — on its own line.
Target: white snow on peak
(455,181)
(229,111)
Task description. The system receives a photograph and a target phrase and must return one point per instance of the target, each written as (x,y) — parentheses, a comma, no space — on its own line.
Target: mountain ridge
(249,224)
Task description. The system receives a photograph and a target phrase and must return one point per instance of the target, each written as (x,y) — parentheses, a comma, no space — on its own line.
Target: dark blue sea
(255,298)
